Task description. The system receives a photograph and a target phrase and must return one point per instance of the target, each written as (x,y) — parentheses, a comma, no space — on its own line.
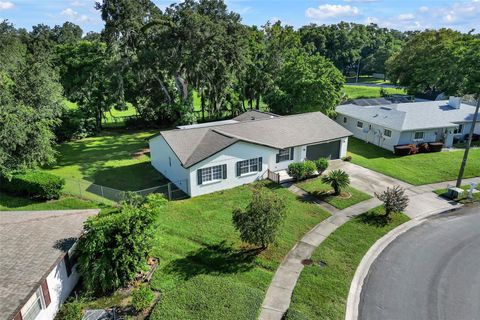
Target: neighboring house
(409,123)
(37,262)
(201,159)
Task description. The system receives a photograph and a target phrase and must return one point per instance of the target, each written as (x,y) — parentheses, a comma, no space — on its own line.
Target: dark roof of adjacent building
(32,242)
(194,145)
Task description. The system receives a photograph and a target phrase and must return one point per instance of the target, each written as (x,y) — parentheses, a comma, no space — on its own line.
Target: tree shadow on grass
(373,219)
(213,259)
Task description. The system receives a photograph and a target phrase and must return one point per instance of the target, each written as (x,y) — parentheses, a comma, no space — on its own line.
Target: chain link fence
(91,191)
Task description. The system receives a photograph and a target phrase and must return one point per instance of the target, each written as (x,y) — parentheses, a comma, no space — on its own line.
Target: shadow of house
(213,259)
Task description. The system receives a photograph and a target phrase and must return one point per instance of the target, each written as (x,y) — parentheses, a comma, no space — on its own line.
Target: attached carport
(329,150)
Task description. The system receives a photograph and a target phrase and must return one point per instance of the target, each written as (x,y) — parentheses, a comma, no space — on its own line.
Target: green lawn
(358,92)
(323,191)
(416,169)
(366,79)
(321,292)
(112,114)
(462,199)
(205,271)
(108,160)
(13,203)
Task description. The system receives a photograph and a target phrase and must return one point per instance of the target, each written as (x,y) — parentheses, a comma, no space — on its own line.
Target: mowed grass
(112,114)
(418,169)
(109,160)
(321,292)
(10,202)
(205,271)
(463,198)
(322,191)
(366,79)
(364,92)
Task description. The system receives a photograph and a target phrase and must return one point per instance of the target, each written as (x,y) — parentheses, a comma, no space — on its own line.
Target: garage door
(329,150)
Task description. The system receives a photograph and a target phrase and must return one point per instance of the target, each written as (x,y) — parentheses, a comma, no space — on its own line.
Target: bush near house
(301,170)
(116,246)
(321,164)
(34,184)
(142,298)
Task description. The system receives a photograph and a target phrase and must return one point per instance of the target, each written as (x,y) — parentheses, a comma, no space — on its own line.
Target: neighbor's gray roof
(194,145)
(255,115)
(411,116)
(31,243)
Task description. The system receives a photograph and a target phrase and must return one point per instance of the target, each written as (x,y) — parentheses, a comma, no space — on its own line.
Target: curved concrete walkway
(422,202)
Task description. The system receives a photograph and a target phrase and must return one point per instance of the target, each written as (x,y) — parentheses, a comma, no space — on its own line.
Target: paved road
(431,272)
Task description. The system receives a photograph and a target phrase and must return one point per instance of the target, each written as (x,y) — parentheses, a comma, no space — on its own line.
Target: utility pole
(469,142)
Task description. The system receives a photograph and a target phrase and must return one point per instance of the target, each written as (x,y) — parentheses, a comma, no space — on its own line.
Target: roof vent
(455,102)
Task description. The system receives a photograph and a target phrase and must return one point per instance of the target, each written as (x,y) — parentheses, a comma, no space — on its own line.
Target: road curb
(363,268)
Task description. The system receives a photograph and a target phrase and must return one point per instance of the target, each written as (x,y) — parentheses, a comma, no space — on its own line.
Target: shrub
(321,164)
(75,124)
(142,298)
(296,170)
(131,198)
(34,184)
(309,168)
(115,247)
(394,200)
(71,310)
(347,158)
(259,223)
(338,179)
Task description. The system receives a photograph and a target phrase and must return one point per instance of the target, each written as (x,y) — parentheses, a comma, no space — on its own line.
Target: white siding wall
(59,286)
(374,135)
(298,156)
(161,154)
(230,156)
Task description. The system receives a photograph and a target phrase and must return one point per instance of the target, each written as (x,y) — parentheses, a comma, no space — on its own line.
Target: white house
(201,159)
(37,261)
(409,123)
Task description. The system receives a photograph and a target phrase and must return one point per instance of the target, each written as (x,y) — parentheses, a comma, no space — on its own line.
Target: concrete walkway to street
(422,202)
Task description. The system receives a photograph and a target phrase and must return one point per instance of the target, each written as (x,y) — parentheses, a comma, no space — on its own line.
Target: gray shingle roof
(31,243)
(255,115)
(411,116)
(194,145)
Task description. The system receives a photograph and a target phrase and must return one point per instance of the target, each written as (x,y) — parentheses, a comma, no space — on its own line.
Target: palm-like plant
(337,179)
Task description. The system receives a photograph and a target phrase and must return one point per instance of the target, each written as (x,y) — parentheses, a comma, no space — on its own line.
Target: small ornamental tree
(115,246)
(394,200)
(258,224)
(338,180)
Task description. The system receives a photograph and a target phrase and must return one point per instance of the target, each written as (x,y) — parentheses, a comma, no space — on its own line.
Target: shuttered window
(248,166)
(212,174)
(285,155)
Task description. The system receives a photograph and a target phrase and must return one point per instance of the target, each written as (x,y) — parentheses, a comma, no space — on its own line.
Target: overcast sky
(462,15)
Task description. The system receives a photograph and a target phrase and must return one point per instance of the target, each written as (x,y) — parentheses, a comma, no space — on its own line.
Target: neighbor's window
(459,129)
(284,155)
(33,306)
(359,124)
(419,135)
(387,133)
(344,119)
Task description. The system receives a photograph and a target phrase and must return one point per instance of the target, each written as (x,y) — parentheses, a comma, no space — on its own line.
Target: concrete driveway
(430,272)
(422,200)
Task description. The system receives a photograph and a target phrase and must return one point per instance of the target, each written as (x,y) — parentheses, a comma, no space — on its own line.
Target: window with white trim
(33,306)
(419,135)
(284,155)
(359,124)
(212,174)
(387,133)
(248,166)
(459,129)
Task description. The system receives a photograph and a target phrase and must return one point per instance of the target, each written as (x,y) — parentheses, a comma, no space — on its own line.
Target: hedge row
(302,170)
(34,184)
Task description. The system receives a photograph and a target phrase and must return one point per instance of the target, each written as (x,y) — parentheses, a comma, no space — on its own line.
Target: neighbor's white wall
(59,286)
(430,135)
(374,134)
(160,152)
(230,156)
